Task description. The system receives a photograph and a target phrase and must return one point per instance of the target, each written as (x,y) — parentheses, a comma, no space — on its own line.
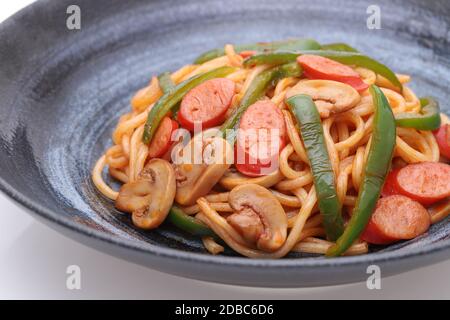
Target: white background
(33,262)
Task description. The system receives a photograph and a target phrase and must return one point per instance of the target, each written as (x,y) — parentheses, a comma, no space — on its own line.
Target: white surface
(33,262)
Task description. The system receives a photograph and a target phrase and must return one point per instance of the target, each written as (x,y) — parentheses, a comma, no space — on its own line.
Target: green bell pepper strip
(165,82)
(256,90)
(344,57)
(377,167)
(310,128)
(338,46)
(189,224)
(171,99)
(167,86)
(292,44)
(428,119)
(274,58)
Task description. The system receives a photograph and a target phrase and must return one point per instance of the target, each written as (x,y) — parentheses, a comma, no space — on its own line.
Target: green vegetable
(256,90)
(189,224)
(377,167)
(165,82)
(170,99)
(167,86)
(293,44)
(310,127)
(344,57)
(428,119)
(339,46)
(274,58)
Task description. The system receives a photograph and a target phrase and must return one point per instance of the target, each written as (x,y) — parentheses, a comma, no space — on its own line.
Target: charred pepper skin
(311,130)
(171,99)
(377,167)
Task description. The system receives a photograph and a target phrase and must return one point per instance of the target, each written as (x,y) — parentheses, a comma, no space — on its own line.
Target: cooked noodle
(347,136)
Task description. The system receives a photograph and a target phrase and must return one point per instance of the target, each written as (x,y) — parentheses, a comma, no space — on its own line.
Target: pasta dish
(279,147)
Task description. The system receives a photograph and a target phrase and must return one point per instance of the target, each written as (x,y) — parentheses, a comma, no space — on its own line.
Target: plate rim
(52,216)
(148,248)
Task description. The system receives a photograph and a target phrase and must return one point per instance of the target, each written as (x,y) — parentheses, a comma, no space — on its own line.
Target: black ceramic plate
(62,92)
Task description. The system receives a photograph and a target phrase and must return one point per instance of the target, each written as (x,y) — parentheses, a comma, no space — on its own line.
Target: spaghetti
(347,134)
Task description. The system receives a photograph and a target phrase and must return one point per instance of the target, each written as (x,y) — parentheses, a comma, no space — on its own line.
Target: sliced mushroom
(258,217)
(199,166)
(329,96)
(233,179)
(149,198)
(134,195)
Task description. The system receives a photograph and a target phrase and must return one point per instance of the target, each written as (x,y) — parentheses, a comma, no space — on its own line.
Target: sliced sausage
(443,139)
(206,104)
(256,150)
(390,185)
(247,53)
(396,218)
(317,67)
(162,142)
(426,182)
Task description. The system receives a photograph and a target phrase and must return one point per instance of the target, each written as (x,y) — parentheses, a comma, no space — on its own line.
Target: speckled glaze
(62,92)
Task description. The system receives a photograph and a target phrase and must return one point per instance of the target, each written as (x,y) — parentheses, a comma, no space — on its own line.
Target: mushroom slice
(199,166)
(233,179)
(248,223)
(150,198)
(329,96)
(134,195)
(258,217)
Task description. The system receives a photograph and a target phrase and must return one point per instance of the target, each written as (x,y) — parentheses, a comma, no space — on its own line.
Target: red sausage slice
(390,185)
(206,104)
(317,67)
(443,139)
(162,140)
(425,182)
(396,218)
(247,53)
(256,150)
(374,235)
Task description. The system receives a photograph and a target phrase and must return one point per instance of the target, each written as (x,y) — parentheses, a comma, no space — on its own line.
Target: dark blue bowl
(62,92)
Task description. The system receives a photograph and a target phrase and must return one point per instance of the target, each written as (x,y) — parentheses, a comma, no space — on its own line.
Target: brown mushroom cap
(248,223)
(151,196)
(134,195)
(195,179)
(329,96)
(259,217)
